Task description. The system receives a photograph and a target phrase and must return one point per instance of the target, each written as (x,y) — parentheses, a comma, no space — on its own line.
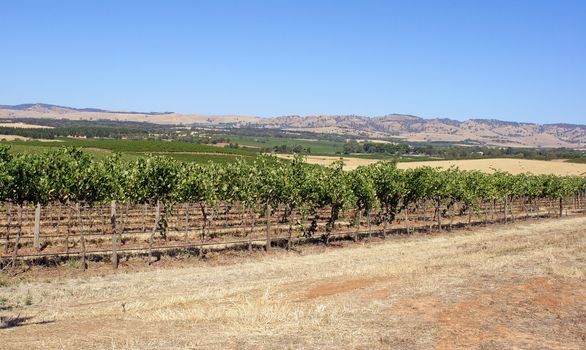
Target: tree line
(460,152)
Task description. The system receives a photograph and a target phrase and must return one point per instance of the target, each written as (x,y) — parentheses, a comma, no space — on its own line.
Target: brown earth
(501,287)
(333,288)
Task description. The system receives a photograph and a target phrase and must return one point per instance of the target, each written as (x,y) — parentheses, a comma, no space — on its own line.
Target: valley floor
(514,286)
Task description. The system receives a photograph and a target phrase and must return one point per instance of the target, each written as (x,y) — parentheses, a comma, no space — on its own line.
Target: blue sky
(511,60)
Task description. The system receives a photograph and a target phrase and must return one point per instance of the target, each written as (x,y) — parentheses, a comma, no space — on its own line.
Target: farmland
(514,166)
(195,143)
(425,250)
(293,175)
(268,201)
(517,286)
(132,149)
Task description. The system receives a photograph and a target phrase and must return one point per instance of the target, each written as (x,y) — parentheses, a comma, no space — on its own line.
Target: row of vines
(157,195)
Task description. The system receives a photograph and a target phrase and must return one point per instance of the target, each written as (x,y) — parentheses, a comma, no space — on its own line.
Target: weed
(73,263)
(28,299)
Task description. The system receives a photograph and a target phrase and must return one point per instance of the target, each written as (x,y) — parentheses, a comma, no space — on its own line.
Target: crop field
(316,146)
(429,253)
(137,146)
(515,286)
(514,166)
(57,231)
(133,149)
(87,207)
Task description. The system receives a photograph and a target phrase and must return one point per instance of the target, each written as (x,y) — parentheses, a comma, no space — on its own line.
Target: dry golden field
(24,126)
(514,166)
(13,137)
(500,287)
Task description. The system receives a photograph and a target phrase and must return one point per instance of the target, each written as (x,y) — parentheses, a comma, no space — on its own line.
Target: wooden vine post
(186,222)
(368,224)
(385,221)
(439,214)
(18,234)
(155,226)
(252,213)
(406,214)
(115,259)
(144,218)
(81,236)
(358,219)
(68,228)
(8,225)
(451,214)
(506,208)
(268,228)
(290,239)
(37,228)
(58,217)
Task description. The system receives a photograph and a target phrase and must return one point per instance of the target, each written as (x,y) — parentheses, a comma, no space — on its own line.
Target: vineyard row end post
(114,240)
(37,228)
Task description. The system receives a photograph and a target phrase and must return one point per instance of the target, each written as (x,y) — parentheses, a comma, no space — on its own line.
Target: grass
(133,146)
(577,160)
(511,165)
(516,286)
(73,263)
(382,156)
(28,299)
(201,153)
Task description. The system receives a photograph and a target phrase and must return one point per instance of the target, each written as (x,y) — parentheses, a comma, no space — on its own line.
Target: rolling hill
(407,127)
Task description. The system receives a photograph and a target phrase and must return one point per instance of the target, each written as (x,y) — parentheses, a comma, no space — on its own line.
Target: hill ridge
(484,131)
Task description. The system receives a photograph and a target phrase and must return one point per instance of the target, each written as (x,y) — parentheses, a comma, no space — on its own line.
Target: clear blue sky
(511,60)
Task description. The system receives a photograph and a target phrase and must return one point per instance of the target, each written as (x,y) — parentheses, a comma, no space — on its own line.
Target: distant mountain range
(407,127)
(48,108)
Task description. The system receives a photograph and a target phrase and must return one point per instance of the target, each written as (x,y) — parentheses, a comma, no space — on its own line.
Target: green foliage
(28,180)
(152,179)
(28,299)
(70,175)
(199,183)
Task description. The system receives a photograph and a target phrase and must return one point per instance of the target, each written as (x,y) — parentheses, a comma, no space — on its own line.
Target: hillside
(408,127)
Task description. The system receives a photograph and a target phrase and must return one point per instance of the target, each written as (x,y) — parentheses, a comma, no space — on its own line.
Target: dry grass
(172,118)
(13,137)
(520,286)
(514,166)
(24,126)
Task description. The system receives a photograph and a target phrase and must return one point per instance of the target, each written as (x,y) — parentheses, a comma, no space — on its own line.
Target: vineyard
(64,204)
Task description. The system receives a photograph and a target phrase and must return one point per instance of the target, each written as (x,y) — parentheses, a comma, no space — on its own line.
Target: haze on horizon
(521,61)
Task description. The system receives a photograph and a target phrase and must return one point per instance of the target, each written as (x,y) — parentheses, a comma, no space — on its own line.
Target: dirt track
(517,286)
